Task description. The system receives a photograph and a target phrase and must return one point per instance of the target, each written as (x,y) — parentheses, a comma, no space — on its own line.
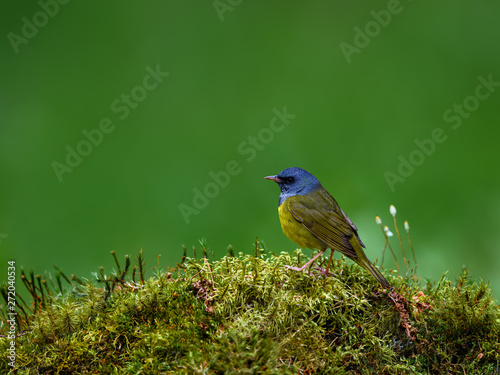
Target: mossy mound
(248,314)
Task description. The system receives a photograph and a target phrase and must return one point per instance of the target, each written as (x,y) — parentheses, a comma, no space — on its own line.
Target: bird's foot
(299,269)
(305,265)
(323,271)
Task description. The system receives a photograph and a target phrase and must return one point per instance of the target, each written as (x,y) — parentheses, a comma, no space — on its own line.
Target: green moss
(248,314)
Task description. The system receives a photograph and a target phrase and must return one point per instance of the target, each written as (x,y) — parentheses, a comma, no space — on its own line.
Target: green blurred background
(230,63)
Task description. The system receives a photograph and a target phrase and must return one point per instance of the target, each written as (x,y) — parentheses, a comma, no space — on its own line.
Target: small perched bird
(312,218)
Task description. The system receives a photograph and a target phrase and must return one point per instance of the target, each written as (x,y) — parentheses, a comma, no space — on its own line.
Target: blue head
(295,181)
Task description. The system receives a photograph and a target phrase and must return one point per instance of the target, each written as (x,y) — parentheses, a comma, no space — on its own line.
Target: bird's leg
(329,261)
(307,264)
(322,270)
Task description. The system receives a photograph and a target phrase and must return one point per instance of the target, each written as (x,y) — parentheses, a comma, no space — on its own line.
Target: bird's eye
(290,180)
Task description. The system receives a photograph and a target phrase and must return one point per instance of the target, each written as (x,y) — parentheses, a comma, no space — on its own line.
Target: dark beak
(273,178)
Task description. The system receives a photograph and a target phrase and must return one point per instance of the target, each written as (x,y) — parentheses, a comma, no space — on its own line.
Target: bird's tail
(376,274)
(364,262)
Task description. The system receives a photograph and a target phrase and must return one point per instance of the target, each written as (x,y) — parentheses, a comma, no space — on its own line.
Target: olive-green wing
(322,216)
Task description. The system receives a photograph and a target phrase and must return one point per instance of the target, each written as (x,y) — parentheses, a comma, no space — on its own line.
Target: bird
(313,219)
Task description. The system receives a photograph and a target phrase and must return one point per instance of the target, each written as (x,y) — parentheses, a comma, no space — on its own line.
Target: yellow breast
(295,231)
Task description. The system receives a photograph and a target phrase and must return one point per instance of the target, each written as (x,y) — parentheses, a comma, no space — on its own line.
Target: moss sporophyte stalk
(247,313)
